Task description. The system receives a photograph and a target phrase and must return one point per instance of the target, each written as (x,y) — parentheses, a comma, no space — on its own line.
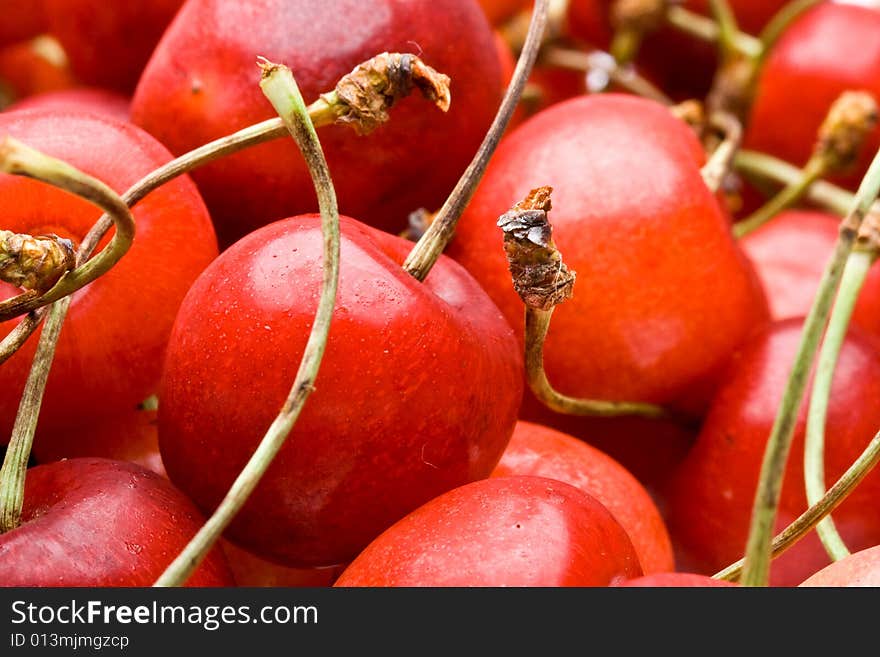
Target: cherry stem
(603,63)
(327,110)
(431,245)
(780,22)
(22,160)
(280,88)
(854,276)
(632,20)
(720,163)
(708,30)
(816,513)
(757,556)
(728,30)
(18,159)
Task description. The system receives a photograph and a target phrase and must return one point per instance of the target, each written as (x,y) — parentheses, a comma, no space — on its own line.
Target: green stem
(728,30)
(428,249)
(816,513)
(707,30)
(788,197)
(778,25)
(757,557)
(280,88)
(854,276)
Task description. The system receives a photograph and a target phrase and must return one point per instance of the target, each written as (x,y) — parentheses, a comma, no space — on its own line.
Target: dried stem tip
(363,97)
(34,263)
(868,239)
(539,276)
(641,16)
(850,120)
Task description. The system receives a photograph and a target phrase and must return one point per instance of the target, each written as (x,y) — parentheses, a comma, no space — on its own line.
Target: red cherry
(96,522)
(790,254)
(78,99)
(831,49)
(633,217)
(675,580)
(418,391)
(711,498)
(110,352)
(108,44)
(542,452)
(858,569)
(201,84)
(22,19)
(498,11)
(25,71)
(504,531)
(250,570)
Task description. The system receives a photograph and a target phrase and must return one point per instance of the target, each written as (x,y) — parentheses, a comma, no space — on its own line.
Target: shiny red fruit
(22,19)
(109,356)
(711,499)
(858,569)
(542,452)
(78,99)
(202,83)
(27,69)
(650,244)
(790,254)
(676,580)
(96,522)
(504,531)
(250,570)
(418,391)
(831,49)
(109,43)
(498,11)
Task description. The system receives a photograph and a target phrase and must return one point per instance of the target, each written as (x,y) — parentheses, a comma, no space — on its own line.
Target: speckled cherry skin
(858,569)
(201,84)
(831,49)
(418,391)
(109,355)
(712,494)
(109,43)
(542,452)
(78,99)
(650,244)
(504,531)
(676,580)
(790,254)
(99,523)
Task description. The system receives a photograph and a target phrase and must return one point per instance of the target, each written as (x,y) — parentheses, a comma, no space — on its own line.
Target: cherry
(790,254)
(26,69)
(110,353)
(22,19)
(199,86)
(78,99)
(497,11)
(542,452)
(504,531)
(632,216)
(830,49)
(712,494)
(250,570)
(858,569)
(675,580)
(108,44)
(97,522)
(418,390)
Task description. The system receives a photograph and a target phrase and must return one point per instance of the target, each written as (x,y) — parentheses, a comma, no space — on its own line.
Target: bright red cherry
(633,217)
(711,498)
(110,353)
(97,522)
(542,452)
(675,580)
(78,99)
(418,391)
(497,11)
(858,569)
(504,531)
(201,84)
(831,49)
(22,19)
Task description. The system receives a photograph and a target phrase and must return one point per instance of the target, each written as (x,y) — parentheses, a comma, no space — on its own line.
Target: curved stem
(757,557)
(432,244)
(537,325)
(854,276)
(812,516)
(19,335)
(280,88)
(706,29)
(790,195)
(777,26)
(720,163)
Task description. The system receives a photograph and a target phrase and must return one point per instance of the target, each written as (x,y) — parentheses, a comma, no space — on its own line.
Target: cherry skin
(712,494)
(418,390)
(831,49)
(790,254)
(505,531)
(676,580)
(110,352)
(632,216)
(22,19)
(201,84)
(26,71)
(108,44)
(250,570)
(97,522)
(858,569)
(498,11)
(542,452)
(78,99)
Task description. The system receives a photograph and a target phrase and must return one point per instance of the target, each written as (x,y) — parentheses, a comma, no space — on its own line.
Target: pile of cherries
(433,448)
